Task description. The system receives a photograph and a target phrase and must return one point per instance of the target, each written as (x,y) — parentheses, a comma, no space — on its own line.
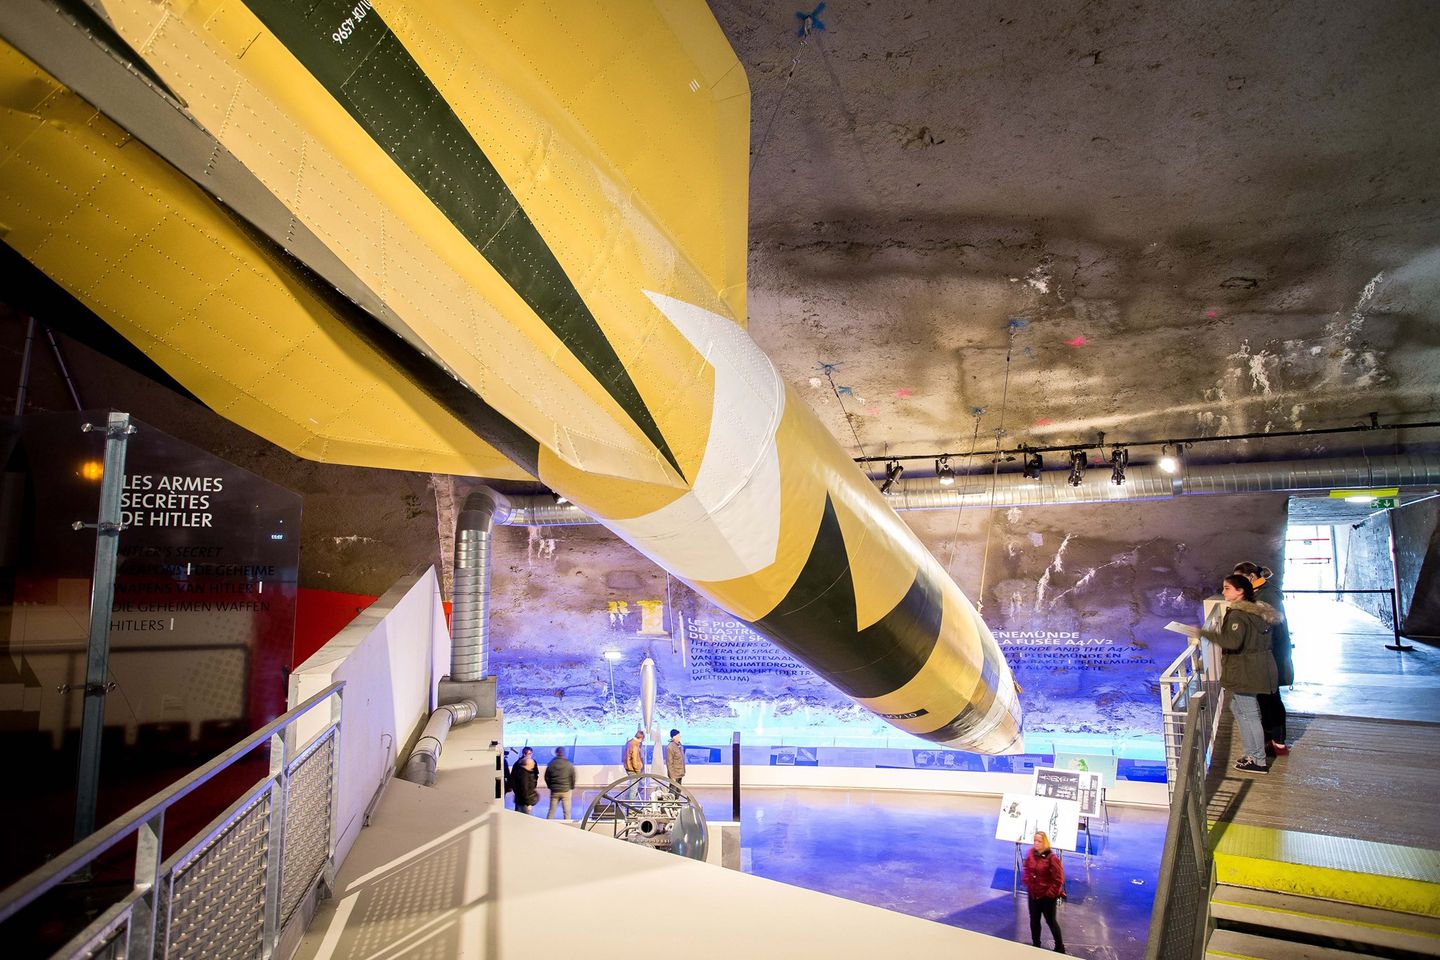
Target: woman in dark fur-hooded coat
(1247,667)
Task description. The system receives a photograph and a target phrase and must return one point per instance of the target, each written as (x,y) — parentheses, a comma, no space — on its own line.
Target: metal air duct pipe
(1142,482)
(1148,482)
(470,613)
(420,768)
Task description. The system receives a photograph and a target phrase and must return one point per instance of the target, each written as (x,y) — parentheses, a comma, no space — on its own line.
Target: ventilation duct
(1148,482)
(1142,482)
(420,768)
(470,598)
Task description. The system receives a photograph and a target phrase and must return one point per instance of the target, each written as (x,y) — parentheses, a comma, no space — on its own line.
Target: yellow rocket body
(521,242)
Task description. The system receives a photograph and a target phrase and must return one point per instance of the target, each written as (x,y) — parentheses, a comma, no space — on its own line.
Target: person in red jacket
(1044,878)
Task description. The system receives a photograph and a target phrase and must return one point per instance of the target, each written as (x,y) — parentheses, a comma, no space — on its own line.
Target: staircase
(1265,925)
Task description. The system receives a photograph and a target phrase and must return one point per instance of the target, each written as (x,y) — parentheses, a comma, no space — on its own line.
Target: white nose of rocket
(647,692)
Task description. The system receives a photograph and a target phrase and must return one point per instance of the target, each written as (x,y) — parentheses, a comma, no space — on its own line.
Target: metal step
(1233,945)
(1372,927)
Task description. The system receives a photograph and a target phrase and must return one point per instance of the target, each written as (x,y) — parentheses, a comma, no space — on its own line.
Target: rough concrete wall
(1108,577)
(1417,562)
(1369,566)
(1100,581)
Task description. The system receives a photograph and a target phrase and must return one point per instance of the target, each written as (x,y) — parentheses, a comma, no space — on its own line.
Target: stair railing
(1180,917)
(231,889)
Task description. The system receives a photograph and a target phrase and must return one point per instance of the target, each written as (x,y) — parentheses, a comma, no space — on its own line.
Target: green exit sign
(1384,503)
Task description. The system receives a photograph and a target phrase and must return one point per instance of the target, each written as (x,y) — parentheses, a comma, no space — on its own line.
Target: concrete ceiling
(1159,220)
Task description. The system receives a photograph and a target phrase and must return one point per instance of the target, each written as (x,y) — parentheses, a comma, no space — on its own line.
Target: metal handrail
(1178,929)
(149,812)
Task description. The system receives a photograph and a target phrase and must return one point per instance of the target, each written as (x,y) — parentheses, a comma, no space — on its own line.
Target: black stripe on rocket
(817,620)
(357,58)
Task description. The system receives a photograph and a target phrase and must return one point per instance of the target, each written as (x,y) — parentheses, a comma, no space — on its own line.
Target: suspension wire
(1011,330)
(829,370)
(978,412)
(794,65)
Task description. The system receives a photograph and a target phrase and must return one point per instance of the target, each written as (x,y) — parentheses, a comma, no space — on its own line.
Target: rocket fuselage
(568,246)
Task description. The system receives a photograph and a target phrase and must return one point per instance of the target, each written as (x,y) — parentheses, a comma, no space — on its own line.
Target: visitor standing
(560,781)
(1247,668)
(1273,715)
(525,781)
(1044,878)
(635,753)
(675,757)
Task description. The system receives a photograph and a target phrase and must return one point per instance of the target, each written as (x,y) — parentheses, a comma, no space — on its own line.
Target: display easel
(1086,825)
(1023,815)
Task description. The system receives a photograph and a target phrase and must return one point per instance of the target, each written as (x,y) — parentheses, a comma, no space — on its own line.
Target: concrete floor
(1343,669)
(931,856)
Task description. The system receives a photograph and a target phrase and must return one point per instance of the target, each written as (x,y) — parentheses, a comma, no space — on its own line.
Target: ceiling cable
(805,29)
(995,462)
(829,371)
(977,413)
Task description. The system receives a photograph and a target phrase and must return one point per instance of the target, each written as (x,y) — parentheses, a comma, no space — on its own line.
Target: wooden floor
(1376,780)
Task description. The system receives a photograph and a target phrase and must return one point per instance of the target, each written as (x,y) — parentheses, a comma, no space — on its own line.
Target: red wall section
(320,614)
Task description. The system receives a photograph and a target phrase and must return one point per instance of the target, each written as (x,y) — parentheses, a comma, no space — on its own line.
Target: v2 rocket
(485,239)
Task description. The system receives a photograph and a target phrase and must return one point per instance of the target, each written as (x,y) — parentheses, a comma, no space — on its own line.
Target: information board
(1080,786)
(1022,816)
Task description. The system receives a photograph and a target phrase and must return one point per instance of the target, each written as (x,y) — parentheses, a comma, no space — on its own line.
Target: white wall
(392,657)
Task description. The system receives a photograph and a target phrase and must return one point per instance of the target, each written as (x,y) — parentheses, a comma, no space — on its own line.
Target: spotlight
(944,472)
(892,473)
(1034,463)
(1078,463)
(1119,459)
(1168,461)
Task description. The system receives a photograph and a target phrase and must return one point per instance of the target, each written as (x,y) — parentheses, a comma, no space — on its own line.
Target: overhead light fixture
(1034,464)
(1078,463)
(1169,462)
(944,472)
(1119,460)
(892,473)
(614,656)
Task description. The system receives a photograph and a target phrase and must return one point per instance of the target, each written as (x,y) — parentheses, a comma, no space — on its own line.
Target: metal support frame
(1196,670)
(102,601)
(22,388)
(138,920)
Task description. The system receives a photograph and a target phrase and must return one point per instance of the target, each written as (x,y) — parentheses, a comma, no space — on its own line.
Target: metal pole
(149,852)
(735,776)
(64,370)
(102,602)
(1395,620)
(24,388)
(1394,605)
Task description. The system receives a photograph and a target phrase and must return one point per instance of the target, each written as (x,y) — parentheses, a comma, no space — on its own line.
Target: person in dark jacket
(1273,715)
(675,757)
(1247,667)
(525,781)
(560,781)
(1044,879)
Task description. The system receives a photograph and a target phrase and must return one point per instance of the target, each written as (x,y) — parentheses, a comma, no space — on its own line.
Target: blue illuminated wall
(1077,597)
